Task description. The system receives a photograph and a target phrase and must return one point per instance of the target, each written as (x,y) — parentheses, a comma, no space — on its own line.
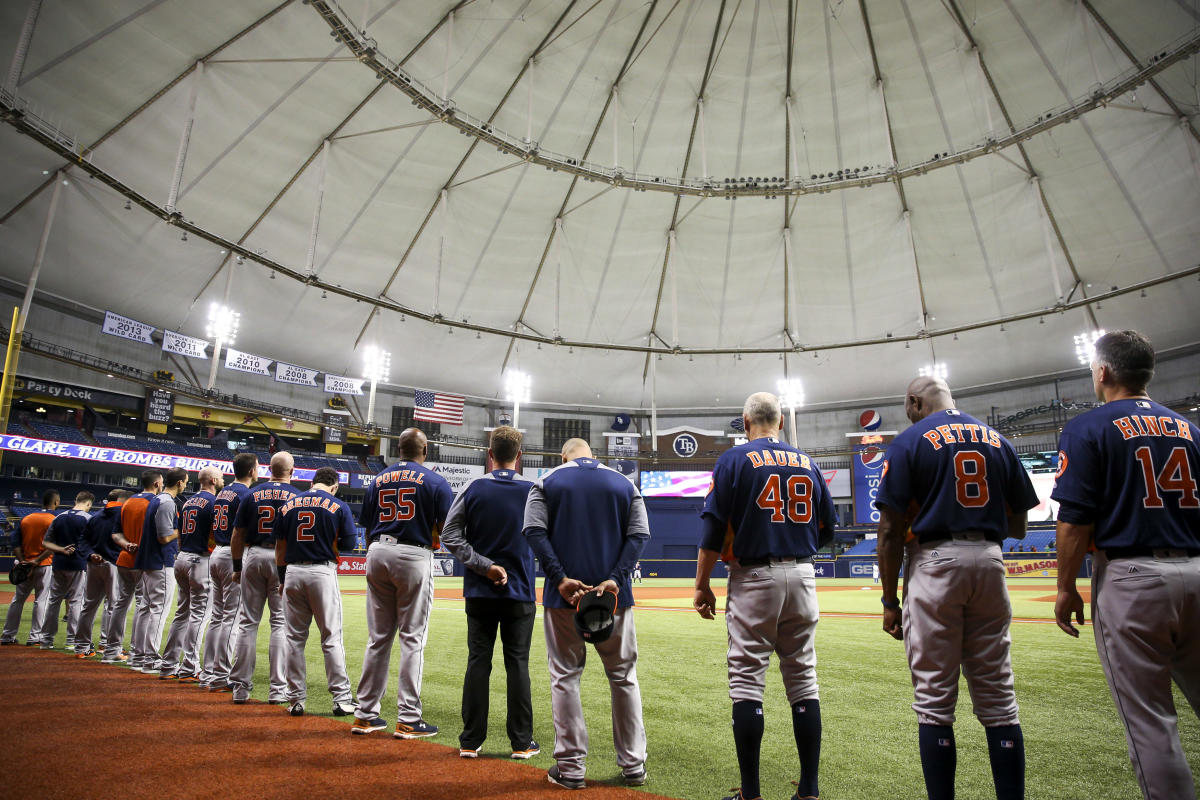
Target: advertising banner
(838,481)
(94,397)
(459,475)
(126,328)
(1031,567)
(337,384)
(290,373)
(247,362)
(160,406)
(867,466)
(182,345)
(352,565)
(334,435)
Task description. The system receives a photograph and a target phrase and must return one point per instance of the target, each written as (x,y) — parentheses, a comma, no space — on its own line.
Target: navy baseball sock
(1006,749)
(806,725)
(747,738)
(939,758)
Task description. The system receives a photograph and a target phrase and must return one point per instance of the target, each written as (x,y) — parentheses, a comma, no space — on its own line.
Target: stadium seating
(59,433)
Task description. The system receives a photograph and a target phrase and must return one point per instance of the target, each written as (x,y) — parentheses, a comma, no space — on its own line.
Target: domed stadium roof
(702,194)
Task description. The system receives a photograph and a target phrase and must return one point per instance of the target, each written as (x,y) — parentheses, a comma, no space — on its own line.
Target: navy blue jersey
(225,509)
(161,517)
(315,525)
(256,513)
(953,474)
(67,530)
(407,501)
(586,521)
(1131,467)
(196,523)
(99,531)
(484,525)
(767,500)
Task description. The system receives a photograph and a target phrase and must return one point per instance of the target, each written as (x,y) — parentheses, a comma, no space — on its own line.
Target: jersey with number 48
(407,501)
(1131,467)
(314,525)
(258,509)
(954,474)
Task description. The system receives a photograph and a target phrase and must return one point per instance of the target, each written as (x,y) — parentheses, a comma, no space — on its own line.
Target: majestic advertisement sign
(126,328)
(247,362)
(337,384)
(184,345)
(290,373)
(459,475)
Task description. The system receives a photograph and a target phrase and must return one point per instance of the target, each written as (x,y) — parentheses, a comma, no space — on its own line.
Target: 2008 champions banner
(290,373)
(337,384)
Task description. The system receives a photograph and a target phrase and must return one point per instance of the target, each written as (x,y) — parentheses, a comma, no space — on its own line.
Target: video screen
(660,483)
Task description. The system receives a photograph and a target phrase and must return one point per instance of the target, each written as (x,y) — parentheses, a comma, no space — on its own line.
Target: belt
(958,536)
(308,563)
(1113,553)
(766,562)
(386,539)
(270,546)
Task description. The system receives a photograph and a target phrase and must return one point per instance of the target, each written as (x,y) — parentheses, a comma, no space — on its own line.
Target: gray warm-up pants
(181,654)
(126,585)
(64,584)
(956,618)
(150,616)
(38,585)
(1146,613)
(311,593)
(399,597)
(100,586)
(260,586)
(225,596)
(566,653)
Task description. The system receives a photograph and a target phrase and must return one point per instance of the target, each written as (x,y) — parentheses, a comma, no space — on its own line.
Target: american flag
(438,407)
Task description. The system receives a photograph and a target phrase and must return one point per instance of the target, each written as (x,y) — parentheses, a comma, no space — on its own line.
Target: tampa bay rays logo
(685,445)
(870,420)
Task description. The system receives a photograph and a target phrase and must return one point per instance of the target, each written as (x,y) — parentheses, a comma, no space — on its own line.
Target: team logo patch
(685,445)
(871,456)
(870,420)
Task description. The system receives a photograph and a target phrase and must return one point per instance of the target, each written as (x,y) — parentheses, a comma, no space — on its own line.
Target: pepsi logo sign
(870,420)
(871,456)
(504,418)
(685,445)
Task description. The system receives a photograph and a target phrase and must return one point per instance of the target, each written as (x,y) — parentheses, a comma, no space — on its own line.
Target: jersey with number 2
(256,514)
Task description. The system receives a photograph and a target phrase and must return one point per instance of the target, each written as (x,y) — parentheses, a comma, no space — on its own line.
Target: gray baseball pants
(100,586)
(150,617)
(772,609)
(956,619)
(126,580)
(225,597)
(260,586)
(1146,613)
(399,597)
(566,653)
(181,654)
(64,584)
(311,593)
(39,585)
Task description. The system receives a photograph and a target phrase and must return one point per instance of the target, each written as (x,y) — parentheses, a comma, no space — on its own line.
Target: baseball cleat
(737,795)
(149,669)
(31,644)
(88,654)
(296,709)
(364,726)
(418,730)
(170,676)
(190,679)
(469,752)
(240,699)
(635,779)
(220,687)
(528,751)
(556,777)
(344,709)
(5,644)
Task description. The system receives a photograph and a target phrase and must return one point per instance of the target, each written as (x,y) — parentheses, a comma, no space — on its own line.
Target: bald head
(413,445)
(282,465)
(926,395)
(211,479)
(762,415)
(575,448)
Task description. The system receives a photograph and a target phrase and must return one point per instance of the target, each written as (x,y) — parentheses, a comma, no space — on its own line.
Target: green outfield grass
(1074,742)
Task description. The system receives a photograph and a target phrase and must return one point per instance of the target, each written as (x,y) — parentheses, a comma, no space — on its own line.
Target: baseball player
(64,538)
(309,530)
(29,549)
(100,584)
(586,523)
(483,530)
(1127,486)
(127,535)
(637,572)
(403,513)
(226,592)
(181,656)
(253,547)
(155,560)
(960,487)
(768,512)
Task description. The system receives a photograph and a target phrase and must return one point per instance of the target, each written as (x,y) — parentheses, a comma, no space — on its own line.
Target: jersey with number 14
(1130,467)
(256,514)
(407,501)
(955,475)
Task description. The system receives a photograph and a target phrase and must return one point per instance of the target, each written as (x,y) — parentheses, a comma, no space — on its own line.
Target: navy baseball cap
(594,616)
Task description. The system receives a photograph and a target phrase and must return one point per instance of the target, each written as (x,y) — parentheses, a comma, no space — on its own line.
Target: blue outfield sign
(134,458)
(867,467)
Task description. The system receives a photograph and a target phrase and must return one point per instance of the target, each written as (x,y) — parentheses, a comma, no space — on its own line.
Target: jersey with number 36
(256,514)
(954,474)
(1130,467)
(407,501)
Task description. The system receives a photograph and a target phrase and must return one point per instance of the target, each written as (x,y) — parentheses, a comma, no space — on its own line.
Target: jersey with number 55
(1131,468)
(407,501)
(954,474)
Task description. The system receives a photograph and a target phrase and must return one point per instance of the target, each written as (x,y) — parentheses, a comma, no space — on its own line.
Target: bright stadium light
(937,370)
(517,387)
(223,324)
(377,367)
(1085,345)
(791,397)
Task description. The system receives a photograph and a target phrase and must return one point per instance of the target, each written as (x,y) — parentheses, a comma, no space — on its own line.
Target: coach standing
(970,491)
(1127,475)
(403,513)
(127,535)
(586,523)
(65,539)
(767,514)
(155,559)
(100,583)
(309,530)
(483,531)
(29,548)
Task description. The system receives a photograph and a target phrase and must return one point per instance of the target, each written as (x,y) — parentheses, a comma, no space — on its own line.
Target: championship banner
(126,328)
(247,362)
(290,373)
(336,384)
(182,345)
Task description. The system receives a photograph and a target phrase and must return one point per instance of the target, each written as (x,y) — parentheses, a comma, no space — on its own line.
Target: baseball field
(1074,740)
